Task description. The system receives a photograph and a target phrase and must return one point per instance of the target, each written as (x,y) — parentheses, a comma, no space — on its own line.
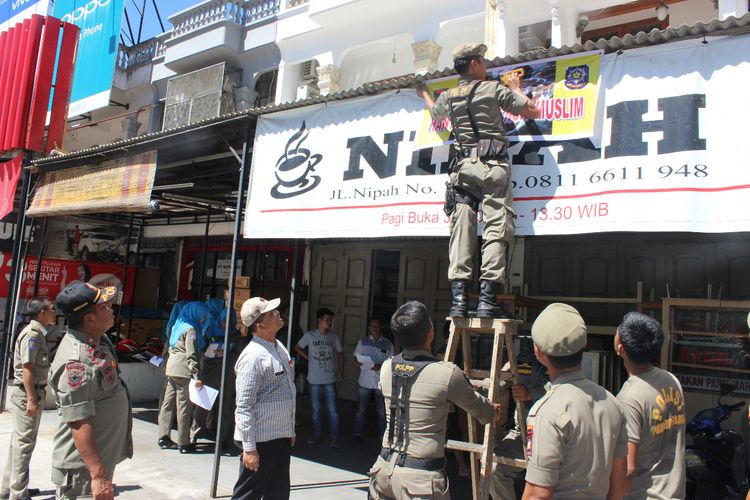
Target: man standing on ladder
(418,391)
(480,174)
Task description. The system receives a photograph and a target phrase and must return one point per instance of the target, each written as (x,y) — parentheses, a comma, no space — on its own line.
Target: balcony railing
(129,58)
(290,4)
(238,11)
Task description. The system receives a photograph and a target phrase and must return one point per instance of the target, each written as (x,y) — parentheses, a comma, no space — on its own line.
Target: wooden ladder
(481,454)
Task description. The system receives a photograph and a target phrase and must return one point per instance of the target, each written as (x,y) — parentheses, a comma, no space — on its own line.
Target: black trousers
(271,480)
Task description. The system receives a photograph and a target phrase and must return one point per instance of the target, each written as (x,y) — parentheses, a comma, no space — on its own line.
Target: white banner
(668,157)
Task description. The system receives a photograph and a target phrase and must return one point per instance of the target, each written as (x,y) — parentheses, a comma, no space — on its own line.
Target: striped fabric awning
(122,185)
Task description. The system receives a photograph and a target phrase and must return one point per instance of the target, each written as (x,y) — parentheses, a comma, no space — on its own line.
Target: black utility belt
(485,149)
(36,386)
(404,460)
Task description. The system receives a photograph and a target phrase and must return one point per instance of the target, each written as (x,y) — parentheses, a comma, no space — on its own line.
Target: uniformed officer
(481,175)
(186,344)
(576,434)
(532,384)
(30,369)
(94,434)
(418,391)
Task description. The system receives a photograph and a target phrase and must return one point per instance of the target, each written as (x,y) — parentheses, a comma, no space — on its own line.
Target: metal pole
(232,273)
(205,251)
(125,278)
(135,278)
(39,258)
(14,282)
(292,296)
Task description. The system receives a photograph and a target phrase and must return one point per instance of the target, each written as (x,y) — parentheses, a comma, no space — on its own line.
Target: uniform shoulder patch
(191,335)
(32,343)
(75,373)
(529,439)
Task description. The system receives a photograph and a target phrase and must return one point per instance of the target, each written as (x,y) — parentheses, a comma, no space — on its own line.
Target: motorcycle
(716,462)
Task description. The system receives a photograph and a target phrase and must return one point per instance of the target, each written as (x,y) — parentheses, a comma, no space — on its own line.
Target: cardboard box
(239,294)
(242,281)
(238,305)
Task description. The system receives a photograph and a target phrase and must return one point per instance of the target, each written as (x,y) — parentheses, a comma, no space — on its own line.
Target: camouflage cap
(469,49)
(559,330)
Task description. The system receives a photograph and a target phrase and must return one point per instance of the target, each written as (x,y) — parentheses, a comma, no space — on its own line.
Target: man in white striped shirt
(264,419)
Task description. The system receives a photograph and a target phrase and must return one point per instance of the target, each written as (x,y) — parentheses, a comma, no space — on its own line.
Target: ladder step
(479,374)
(452,444)
(513,462)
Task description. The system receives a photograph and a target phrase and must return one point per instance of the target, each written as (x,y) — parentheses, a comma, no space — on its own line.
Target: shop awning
(122,185)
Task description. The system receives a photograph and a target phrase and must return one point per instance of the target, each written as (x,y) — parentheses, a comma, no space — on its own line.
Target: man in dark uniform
(418,391)
(31,361)
(481,175)
(94,433)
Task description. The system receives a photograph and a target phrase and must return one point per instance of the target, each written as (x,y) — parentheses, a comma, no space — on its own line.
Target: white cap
(254,307)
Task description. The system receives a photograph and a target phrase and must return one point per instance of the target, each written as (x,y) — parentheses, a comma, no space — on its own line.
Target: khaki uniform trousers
(389,481)
(75,483)
(502,486)
(176,398)
(22,442)
(489,181)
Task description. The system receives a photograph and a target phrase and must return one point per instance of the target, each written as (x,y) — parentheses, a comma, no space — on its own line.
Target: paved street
(317,471)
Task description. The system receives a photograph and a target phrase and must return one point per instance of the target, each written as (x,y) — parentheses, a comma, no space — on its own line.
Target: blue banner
(15,10)
(99,23)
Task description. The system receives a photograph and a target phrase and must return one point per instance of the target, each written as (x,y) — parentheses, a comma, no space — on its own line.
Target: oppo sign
(79,15)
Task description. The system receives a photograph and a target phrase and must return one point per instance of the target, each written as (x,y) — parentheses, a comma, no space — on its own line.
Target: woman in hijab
(169,412)
(204,421)
(186,343)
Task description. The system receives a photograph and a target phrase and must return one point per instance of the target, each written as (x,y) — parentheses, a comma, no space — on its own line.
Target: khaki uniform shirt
(574,432)
(435,388)
(31,347)
(490,99)
(654,409)
(85,378)
(185,357)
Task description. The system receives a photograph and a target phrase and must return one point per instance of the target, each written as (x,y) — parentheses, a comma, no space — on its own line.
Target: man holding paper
(264,419)
(370,353)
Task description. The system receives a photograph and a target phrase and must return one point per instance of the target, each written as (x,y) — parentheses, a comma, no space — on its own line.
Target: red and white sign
(56,274)
(666,155)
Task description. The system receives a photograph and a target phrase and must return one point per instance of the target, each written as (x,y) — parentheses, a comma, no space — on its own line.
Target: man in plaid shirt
(265,405)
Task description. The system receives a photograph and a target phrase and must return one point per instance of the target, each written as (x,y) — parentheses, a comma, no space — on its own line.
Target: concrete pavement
(317,471)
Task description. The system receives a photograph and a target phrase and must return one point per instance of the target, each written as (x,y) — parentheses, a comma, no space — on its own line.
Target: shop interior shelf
(711,367)
(709,334)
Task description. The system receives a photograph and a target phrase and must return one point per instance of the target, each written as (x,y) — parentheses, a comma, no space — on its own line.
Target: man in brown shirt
(30,368)
(411,463)
(654,408)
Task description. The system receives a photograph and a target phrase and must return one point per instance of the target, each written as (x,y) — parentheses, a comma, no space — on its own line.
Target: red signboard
(56,274)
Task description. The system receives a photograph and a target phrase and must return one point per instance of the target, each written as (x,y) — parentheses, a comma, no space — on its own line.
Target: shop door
(424,277)
(340,281)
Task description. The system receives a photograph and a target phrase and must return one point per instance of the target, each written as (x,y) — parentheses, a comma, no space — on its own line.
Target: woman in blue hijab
(205,422)
(212,328)
(186,344)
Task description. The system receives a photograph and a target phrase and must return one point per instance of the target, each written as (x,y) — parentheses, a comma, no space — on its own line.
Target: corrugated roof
(730,26)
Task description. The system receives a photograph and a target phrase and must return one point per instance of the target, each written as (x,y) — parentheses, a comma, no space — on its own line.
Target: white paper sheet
(203,397)
(156,360)
(366,361)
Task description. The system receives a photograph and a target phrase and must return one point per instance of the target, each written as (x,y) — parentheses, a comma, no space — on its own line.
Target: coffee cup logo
(294,169)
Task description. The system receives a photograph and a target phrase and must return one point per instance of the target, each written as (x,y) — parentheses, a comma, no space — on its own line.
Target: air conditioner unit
(307,91)
(308,70)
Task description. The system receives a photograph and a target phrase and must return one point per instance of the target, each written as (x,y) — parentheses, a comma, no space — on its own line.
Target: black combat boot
(488,306)
(460,296)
